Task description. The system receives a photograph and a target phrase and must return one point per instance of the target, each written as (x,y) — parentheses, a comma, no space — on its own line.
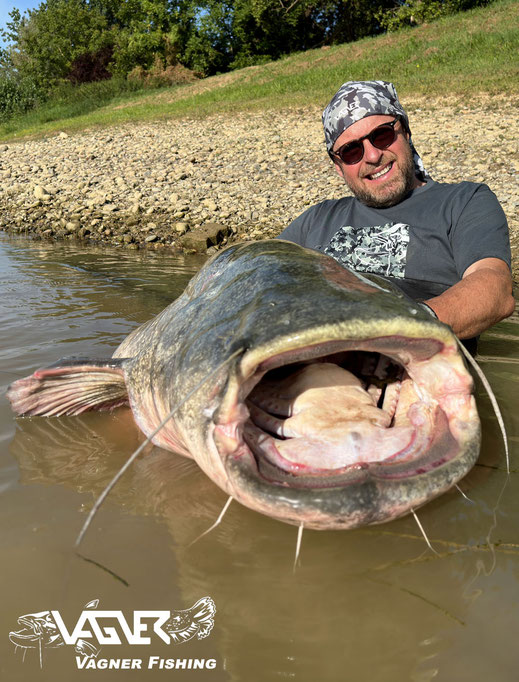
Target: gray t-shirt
(424,244)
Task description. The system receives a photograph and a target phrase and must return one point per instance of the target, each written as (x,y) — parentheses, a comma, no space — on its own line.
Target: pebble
(253,172)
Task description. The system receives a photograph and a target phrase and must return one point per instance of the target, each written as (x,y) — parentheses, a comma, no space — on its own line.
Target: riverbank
(153,185)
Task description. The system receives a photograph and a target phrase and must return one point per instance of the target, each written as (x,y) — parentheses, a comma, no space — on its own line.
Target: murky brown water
(373,604)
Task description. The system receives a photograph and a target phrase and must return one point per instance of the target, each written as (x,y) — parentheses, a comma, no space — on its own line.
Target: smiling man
(446,245)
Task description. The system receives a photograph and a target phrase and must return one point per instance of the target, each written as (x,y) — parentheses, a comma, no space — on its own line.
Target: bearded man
(446,245)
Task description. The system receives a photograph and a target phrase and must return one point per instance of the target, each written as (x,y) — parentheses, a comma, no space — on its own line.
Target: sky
(7,5)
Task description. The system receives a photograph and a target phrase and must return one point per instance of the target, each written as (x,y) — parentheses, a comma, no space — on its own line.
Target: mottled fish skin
(272,299)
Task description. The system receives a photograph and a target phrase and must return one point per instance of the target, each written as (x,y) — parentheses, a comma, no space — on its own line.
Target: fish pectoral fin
(70,387)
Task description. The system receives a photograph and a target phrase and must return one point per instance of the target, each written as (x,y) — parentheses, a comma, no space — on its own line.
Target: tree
(235,33)
(45,41)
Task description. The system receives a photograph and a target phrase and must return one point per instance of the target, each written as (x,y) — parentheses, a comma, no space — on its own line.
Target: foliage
(161,42)
(47,40)
(18,96)
(470,57)
(230,34)
(161,75)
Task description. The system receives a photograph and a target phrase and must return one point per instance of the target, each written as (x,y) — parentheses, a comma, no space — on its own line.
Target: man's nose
(371,153)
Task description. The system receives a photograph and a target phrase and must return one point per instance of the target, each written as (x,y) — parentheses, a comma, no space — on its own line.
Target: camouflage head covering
(356,100)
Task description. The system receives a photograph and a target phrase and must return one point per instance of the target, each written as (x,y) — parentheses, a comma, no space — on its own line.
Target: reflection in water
(372,604)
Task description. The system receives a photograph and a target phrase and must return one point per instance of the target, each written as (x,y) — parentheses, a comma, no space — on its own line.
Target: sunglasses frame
(389,124)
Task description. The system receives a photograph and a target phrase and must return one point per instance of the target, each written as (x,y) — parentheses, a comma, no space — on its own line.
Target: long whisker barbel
(463,494)
(298,544)
(492,397)
(423,531)
(216,523)
(141,447)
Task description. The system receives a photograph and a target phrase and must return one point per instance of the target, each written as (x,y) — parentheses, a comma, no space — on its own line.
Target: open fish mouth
(33,632)
(26,637)
(341,433)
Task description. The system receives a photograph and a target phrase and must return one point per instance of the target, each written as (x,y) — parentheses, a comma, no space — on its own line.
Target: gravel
(145,185)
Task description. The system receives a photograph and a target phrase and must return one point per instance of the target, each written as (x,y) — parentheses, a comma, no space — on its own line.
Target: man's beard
(407,182)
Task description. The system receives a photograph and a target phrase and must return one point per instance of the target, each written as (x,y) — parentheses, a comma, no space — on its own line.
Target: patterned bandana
(356,100)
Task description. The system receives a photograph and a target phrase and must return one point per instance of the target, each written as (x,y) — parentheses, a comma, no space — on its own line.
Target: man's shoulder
(465,187)
(451,199)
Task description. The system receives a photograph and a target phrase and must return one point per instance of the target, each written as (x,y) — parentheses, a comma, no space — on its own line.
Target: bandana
(356,100)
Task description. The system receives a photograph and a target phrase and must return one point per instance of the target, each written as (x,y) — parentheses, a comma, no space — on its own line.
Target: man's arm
(482,298)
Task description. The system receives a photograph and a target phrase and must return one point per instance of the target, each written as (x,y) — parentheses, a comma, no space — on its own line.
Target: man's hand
(482,298)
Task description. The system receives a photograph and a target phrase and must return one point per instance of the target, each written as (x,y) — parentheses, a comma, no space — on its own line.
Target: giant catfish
(305,391)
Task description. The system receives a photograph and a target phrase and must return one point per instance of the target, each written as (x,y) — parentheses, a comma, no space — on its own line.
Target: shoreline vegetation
(459,57)
(244,150)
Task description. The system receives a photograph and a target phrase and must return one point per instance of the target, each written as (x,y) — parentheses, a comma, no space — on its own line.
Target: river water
(373,604)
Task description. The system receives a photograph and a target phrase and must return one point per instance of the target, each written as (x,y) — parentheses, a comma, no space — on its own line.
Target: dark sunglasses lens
(382,137)
(352,153)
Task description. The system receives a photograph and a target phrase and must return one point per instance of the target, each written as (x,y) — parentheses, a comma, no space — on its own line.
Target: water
(373,604)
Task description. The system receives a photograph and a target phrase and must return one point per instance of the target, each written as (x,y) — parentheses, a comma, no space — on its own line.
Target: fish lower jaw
(334,459)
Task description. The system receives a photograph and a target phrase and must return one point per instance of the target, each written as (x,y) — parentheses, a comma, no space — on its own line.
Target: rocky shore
(197,184)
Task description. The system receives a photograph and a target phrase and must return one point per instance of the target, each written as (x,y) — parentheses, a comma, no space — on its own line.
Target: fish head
(39,629)
(347,403)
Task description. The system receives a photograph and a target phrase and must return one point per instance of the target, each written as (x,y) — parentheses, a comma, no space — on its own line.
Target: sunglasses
(380,137)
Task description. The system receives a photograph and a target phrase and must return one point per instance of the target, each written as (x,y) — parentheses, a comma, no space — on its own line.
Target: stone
(200,239)
(41,192)
(181,228)
(210,205)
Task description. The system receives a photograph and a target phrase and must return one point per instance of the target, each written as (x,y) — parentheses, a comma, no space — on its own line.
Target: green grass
(462,56)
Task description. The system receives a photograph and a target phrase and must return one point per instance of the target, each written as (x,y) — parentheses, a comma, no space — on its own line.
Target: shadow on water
(373,604)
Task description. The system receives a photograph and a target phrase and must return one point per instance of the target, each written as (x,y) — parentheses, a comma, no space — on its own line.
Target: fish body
(302,389)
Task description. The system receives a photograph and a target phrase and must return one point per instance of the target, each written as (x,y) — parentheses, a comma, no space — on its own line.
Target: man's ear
(338,169)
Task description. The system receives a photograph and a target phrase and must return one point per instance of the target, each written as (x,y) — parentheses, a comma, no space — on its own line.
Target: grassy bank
(463,56)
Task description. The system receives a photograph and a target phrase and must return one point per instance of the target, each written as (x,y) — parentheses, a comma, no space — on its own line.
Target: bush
(415,12)
(244,59)
(159,75)
(90,96)
(18,96)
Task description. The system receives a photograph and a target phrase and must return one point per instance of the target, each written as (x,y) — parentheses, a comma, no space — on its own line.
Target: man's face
(383,177)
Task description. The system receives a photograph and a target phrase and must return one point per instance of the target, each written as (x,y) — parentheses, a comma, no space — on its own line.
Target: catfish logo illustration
(41,631)
(47,630)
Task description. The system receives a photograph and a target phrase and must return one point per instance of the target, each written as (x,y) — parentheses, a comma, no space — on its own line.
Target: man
(446,245)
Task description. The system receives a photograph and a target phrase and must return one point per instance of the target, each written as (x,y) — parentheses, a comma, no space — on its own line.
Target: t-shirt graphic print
(379,249)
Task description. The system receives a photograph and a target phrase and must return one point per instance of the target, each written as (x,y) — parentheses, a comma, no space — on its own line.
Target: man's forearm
(474,304)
